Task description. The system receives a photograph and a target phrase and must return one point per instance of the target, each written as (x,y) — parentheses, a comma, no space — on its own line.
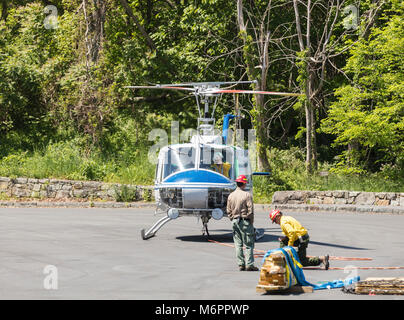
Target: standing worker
(240,210)
(297,236)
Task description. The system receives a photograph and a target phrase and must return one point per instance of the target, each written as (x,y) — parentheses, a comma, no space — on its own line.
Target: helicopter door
(159,170)
(162,161)
(242,165)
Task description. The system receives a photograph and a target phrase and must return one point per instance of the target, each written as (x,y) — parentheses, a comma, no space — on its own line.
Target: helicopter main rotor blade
(259,92)
(195,85)
(212,83)
(212,88)
(160,87)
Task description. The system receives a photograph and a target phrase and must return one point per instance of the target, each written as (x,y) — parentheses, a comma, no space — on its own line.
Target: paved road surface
(99,254)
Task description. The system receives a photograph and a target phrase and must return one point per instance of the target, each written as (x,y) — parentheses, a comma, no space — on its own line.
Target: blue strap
(298,272)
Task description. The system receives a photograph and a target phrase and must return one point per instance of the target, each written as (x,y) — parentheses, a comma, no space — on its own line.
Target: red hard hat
(273,214)
(242,178)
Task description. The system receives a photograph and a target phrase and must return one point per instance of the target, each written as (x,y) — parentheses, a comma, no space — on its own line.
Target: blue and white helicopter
(196,178)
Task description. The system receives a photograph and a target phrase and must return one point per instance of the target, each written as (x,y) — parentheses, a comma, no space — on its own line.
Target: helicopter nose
(196,176)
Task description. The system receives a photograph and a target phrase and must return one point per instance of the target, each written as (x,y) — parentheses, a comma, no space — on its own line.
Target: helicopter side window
(218,160)
(206,158)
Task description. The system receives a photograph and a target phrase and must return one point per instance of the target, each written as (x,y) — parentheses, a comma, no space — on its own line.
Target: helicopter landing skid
(205,230)
(153,230)
(205,220)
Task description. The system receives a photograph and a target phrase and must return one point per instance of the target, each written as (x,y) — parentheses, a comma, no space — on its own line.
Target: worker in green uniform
(297,236)
(240,210)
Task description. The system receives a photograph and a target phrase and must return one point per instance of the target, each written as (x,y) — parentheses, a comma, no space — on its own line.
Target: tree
(322,40)
(135,20)
(368,116)
(25,47)
(253,56)
(304,38)
(4,9)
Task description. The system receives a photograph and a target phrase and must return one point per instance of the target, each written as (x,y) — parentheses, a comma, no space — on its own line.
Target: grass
(67,160)
(264,187)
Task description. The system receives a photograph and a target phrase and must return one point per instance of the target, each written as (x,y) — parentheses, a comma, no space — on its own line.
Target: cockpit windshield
(226,160)
(178,159)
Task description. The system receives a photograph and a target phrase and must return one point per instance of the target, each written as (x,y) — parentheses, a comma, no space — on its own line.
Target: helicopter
(196,178)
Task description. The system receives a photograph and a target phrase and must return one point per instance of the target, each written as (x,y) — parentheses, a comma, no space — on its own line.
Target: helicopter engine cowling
(172,197)
(218,197)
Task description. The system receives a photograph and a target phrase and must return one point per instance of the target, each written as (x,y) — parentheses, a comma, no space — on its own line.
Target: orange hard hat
(242,178)
(273,214)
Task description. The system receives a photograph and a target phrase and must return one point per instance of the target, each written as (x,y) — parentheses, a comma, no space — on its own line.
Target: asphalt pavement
(98,253)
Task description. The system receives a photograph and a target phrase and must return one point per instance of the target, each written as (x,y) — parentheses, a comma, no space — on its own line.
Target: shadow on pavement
(228,238)
(336,245)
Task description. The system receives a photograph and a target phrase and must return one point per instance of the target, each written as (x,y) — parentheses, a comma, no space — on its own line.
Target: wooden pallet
(273,275)
(275,289)
(380,286)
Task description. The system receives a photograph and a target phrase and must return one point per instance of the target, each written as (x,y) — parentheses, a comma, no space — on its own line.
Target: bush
(68,160)
(125,194)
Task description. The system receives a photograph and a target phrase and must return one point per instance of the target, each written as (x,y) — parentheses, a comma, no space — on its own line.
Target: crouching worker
(240,210)
(296,236)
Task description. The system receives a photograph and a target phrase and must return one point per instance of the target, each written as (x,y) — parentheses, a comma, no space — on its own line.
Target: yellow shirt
(292,229)
(224,169)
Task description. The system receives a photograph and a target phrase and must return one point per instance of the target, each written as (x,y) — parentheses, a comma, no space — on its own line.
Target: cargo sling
(293,263)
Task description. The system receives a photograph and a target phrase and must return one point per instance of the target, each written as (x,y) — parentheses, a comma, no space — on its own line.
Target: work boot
(252,268)
(326,261)
(241,268)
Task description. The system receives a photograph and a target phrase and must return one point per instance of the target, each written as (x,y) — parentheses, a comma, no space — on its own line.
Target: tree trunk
(259,117)
(94,16)
(309,153)
(4,10)
(263,163)
(314,141)
(311,149)
(135,20)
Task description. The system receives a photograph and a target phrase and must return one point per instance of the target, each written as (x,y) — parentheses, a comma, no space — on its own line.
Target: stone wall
(339,198)
(42,189)
(68,189)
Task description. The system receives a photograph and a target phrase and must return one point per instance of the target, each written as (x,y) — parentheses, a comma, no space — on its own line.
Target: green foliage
(59,160)
(67,160)
(125,193)
(369,114)
(32,59)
